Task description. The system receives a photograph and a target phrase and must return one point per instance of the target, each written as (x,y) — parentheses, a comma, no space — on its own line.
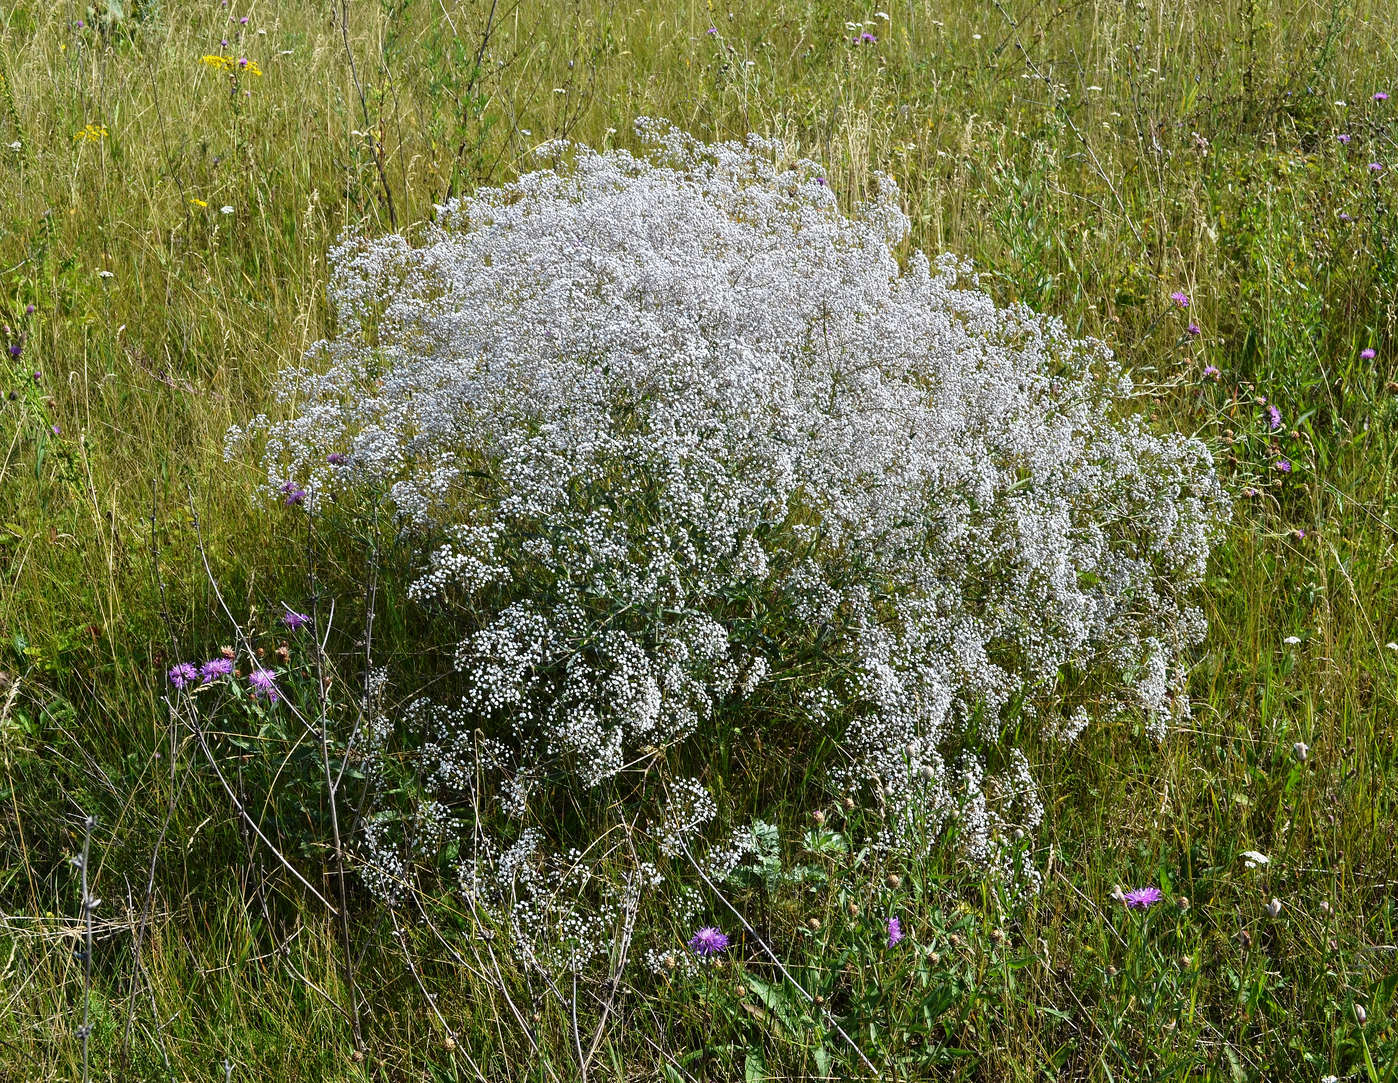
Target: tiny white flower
(1274,908)
(105,274)
(225,209)
(1252,859)
(1300,748)
(1291,641)
(16,145)
(1392,646)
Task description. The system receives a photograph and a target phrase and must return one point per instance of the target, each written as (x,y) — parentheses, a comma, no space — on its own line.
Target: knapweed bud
(1360,1015)
(894,881)
(813,923)
(817,817)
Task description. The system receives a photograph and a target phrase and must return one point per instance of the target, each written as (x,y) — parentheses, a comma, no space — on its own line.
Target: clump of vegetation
(265,873)
(688,454)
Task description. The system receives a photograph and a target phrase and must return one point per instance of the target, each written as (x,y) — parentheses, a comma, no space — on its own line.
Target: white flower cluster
(650,415)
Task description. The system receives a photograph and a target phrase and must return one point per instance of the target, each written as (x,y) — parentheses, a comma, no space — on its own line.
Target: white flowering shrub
(682,443)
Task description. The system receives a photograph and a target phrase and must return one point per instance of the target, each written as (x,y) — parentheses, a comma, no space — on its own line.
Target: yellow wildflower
(91,133)
(228,64)
(198,202)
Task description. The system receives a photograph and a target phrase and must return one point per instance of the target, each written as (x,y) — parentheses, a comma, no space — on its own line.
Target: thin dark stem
(368,125)
(89,904)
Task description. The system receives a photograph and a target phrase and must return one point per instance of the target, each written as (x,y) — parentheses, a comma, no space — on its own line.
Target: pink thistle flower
(708,941)
(1284,465)
(895,931)
(1180,298)
(293,619)
(1274,417)
(1381,96)
(182,674)
(1211,371)
(264,684)
(215,668)
(1142,898)
(1192,329)
(1367,354)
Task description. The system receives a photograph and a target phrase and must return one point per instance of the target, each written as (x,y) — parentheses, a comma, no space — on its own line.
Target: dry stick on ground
(777,962)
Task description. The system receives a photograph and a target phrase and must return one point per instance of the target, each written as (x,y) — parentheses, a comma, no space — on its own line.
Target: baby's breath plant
(689,450)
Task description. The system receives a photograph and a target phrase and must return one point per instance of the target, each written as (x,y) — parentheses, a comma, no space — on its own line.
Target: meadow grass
(169,225)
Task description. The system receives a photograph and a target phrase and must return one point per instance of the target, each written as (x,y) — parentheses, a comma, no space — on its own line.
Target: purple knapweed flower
(294,493)
(1143,898)
(16,349)
(1367,354)
(1343,137)
(1192,329)
(215,668)
(335,458)
(1211,371)
(293,619)
(712,30)
(29,310)
(183,674)
(1180,298)
(264,683)
(1284,465)
(243,21)
(867,38)
(1274,417)
(895,931)
(708,941)
(1381,96)
(1346,218)
(1375,167)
